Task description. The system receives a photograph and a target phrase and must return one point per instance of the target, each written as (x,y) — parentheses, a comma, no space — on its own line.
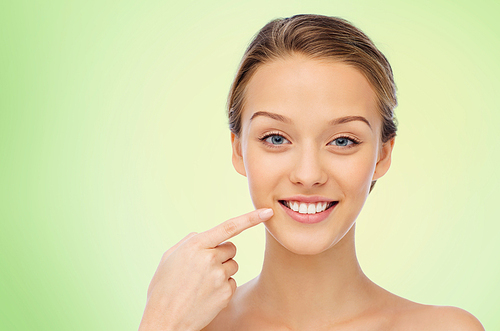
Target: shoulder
(454,318)
(428,317)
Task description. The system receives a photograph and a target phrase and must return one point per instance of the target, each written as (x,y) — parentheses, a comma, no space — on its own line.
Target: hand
(193,282)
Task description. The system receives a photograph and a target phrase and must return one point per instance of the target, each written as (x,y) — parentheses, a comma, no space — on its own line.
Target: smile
(308,213)
(308,208)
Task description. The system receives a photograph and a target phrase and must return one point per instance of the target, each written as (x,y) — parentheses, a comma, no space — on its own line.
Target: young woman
(312,128)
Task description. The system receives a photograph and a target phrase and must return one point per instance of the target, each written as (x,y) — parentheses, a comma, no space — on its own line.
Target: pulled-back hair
(317,37)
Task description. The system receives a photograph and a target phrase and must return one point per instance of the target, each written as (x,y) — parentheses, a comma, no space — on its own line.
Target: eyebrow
(336,121)
(274,116)
(346,119)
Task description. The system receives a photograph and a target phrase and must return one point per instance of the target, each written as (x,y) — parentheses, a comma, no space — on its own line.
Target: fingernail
(266,214)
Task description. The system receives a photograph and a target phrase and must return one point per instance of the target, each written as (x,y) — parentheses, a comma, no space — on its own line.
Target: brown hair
(319,37)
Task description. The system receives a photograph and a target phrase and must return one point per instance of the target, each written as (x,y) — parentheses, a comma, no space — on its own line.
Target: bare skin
(363,305)
(193,282)
(311,278)
(310,129)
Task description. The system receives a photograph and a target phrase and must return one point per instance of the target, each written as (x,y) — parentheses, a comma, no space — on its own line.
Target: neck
(305,289)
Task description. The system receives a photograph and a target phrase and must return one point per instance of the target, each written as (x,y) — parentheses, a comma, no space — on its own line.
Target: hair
(317,37)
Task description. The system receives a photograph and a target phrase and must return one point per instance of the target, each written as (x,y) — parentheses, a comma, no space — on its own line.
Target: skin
(311,278)
(193,282)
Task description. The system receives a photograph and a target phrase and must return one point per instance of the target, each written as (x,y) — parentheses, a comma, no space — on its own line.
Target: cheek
(263,174)
(354,174)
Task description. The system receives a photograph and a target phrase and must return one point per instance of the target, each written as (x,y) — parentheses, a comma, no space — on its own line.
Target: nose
(307,169)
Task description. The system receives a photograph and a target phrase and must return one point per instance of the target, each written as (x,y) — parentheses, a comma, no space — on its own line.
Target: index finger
(232,227)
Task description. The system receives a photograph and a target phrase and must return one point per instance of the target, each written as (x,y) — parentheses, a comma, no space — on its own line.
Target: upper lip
(308,198)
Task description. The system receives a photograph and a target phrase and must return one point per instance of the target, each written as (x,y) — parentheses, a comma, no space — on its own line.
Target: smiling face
(310,133)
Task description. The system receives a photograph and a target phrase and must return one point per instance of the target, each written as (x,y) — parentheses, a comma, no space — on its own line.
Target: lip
(309,218)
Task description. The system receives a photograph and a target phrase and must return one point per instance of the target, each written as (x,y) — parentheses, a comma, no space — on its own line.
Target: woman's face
(310,133)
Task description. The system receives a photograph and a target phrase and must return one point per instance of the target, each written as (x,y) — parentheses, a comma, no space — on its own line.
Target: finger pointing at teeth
(233,226)
(193,282)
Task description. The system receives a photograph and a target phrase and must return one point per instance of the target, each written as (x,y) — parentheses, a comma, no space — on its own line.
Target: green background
(114,145)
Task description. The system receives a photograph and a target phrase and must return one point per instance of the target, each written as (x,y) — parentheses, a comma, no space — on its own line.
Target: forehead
(302,88)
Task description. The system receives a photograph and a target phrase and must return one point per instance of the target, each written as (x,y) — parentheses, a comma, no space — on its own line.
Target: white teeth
(319,207)
(306,208)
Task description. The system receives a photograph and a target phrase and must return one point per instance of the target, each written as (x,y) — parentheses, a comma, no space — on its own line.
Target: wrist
(163,323)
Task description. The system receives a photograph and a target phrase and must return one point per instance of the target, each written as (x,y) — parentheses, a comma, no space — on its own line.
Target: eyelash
(270,134)
(355,141)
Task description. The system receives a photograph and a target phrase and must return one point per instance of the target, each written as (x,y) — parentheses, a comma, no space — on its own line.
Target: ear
(237,155)
(384,159)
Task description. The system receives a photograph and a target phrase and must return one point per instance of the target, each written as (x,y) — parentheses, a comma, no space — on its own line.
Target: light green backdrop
(114,145)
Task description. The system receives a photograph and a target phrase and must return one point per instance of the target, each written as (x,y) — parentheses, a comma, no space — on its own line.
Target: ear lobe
(384,160)
(237,157)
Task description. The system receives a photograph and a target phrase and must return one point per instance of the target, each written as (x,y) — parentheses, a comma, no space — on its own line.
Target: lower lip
(308,218)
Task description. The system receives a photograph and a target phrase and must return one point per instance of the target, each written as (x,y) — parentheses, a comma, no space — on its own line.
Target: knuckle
(230,227)
(218,278)
(220,275)
(210,257)
(194,238)
(253,218)
(166,255)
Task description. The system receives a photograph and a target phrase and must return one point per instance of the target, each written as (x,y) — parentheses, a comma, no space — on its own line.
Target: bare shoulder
(407,315)
(454,318)
(428,317)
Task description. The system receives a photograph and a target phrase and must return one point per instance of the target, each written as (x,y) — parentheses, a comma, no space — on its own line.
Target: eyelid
(266,135)
(355,141)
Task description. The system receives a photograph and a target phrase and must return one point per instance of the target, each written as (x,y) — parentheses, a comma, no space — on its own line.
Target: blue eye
(344,142)
(275,139)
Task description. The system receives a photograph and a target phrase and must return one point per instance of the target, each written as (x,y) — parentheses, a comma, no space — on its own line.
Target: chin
(312,241)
